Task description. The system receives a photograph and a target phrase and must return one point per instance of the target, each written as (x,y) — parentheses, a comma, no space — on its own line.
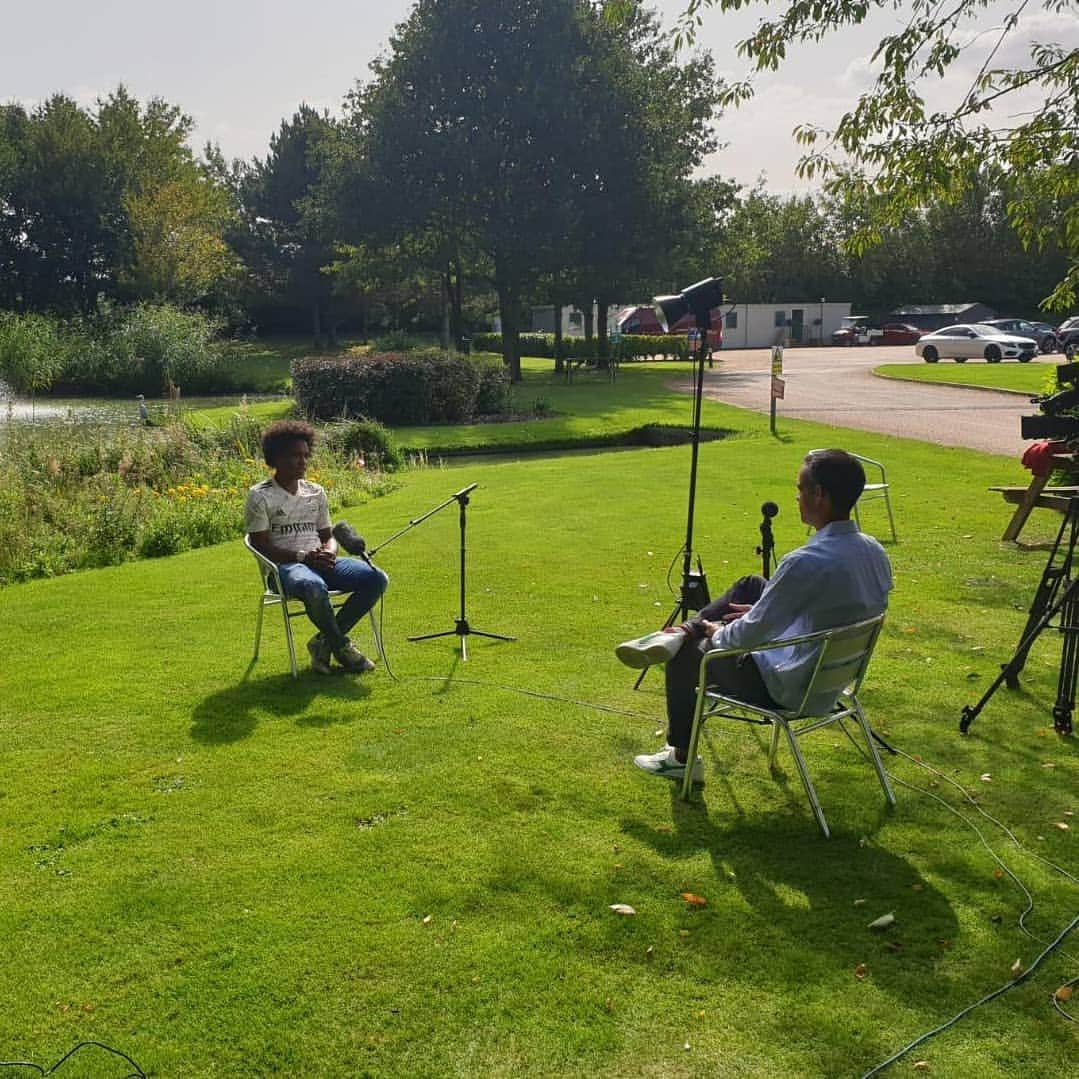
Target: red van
(643,320)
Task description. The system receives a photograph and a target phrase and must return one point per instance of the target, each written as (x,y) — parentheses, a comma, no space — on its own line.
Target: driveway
(837,386)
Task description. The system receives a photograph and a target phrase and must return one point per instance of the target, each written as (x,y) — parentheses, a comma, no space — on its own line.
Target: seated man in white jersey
(288,520)
(838,577)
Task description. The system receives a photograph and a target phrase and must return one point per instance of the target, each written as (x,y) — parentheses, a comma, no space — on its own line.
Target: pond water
(100,410)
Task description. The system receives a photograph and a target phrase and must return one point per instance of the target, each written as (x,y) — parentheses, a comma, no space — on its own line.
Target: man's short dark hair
(280,433)
(839,475)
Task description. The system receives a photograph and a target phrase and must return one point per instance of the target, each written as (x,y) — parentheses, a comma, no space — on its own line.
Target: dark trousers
(736,675)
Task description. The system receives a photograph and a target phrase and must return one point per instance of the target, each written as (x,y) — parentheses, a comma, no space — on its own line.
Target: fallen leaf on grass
(1063,993)
(860,971)
(998,873)
(649,951)
(917,887)
(1017,968)
(859,902)
(986,777)
(1062,825)
(921,1065)
(695,900)
(622,908)
(883,921)
(664,828)
(428,919)
(1049,764)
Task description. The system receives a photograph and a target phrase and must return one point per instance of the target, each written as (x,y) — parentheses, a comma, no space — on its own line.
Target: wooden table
(1037,493)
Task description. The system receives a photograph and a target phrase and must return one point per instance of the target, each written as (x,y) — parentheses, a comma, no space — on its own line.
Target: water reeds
(73,497)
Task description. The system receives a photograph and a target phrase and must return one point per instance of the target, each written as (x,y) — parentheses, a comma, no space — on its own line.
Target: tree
(107,202)
(279,192)
(892,153)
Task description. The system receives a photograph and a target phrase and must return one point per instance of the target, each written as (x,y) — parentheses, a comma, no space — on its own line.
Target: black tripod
(1058,594)
(460,627)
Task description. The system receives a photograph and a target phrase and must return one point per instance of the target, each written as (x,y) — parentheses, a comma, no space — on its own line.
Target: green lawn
(222,870)
(1035,377)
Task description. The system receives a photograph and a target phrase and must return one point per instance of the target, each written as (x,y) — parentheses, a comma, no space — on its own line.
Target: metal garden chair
(273,596)
(842,658)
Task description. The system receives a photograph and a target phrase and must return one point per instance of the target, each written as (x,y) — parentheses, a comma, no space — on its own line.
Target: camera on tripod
(1056,420)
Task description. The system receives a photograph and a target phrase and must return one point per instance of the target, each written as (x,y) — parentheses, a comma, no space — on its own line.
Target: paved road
(836,386)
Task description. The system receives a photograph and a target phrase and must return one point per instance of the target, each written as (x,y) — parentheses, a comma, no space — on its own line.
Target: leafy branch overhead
(910,140)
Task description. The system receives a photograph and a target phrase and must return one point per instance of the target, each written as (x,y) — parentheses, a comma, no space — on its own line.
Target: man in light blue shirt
(840,576)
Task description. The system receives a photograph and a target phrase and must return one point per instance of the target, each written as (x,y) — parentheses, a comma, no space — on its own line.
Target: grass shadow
(233,713)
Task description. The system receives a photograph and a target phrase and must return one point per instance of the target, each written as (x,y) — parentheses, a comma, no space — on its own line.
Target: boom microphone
(769,509)
(350,539)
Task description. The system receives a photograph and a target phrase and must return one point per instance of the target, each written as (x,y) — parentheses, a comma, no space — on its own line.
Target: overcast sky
(240,66)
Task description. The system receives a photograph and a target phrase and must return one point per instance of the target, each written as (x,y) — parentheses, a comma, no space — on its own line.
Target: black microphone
(769,509)
(350,539)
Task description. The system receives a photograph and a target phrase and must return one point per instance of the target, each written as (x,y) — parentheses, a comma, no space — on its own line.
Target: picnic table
(1037,493)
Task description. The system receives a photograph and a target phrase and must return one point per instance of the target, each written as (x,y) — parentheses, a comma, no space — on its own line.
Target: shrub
(421,387)
(365,440)
(31,351)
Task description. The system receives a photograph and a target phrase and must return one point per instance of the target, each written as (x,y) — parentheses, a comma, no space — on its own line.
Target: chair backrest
(844,656)
(865,461)
(268,574)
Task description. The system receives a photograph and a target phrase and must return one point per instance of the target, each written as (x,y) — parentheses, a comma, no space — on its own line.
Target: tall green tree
(893,153)
(284,212)
(472,126)
(109,201)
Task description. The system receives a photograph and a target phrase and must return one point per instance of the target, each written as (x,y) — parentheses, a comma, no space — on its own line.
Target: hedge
(629,347)
(400,389)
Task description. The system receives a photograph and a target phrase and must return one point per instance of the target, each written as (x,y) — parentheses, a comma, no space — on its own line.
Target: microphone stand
(461,627)
(768,544)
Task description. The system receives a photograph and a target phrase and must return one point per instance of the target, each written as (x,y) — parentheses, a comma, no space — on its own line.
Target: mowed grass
(224,871)
(1038,376)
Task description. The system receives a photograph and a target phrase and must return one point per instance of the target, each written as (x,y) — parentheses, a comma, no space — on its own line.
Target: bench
(1035,494)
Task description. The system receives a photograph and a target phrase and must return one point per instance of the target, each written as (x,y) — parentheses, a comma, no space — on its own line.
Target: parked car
(855,330)
(961,342)
(900,333)
(1041,332)
(643,320)
(1068,336)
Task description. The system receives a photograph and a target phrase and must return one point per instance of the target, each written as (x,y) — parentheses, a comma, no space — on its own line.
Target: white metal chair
(876,489)
(273,595)
(842,658)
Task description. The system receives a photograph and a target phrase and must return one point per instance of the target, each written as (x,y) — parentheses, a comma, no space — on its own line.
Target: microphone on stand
(768,511)
(351,540)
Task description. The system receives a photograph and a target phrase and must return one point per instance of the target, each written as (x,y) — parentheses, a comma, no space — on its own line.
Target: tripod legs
(461,628)
(1048,603)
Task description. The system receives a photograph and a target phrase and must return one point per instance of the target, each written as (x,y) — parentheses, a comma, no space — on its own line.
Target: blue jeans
(364,581)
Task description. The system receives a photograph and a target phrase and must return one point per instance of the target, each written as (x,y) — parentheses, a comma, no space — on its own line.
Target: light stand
(698,299)
(461,627)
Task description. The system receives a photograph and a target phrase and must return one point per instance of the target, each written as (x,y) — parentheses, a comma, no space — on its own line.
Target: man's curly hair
(282,432)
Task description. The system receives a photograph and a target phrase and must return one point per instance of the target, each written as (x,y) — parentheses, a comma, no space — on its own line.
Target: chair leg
(891,519)
(289,639)
(875,756)
(799,761)
(694,741)
(258,629)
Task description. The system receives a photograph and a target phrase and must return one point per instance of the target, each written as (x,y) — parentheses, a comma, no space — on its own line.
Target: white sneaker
(656,647)
(664,763)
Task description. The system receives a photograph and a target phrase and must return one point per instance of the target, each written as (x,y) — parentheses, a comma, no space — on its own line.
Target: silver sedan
(975,339)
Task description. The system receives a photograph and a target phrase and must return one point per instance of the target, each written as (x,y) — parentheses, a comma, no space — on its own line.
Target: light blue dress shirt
(840,576)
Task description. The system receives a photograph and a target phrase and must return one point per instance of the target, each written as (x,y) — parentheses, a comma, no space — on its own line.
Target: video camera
(1053,422)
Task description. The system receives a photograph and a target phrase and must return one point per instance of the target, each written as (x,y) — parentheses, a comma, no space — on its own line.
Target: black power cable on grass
(138,1073)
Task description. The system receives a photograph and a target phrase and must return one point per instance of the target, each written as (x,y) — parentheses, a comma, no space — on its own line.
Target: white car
(961,342)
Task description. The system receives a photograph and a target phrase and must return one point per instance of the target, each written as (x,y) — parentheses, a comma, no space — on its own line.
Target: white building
(761,325)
